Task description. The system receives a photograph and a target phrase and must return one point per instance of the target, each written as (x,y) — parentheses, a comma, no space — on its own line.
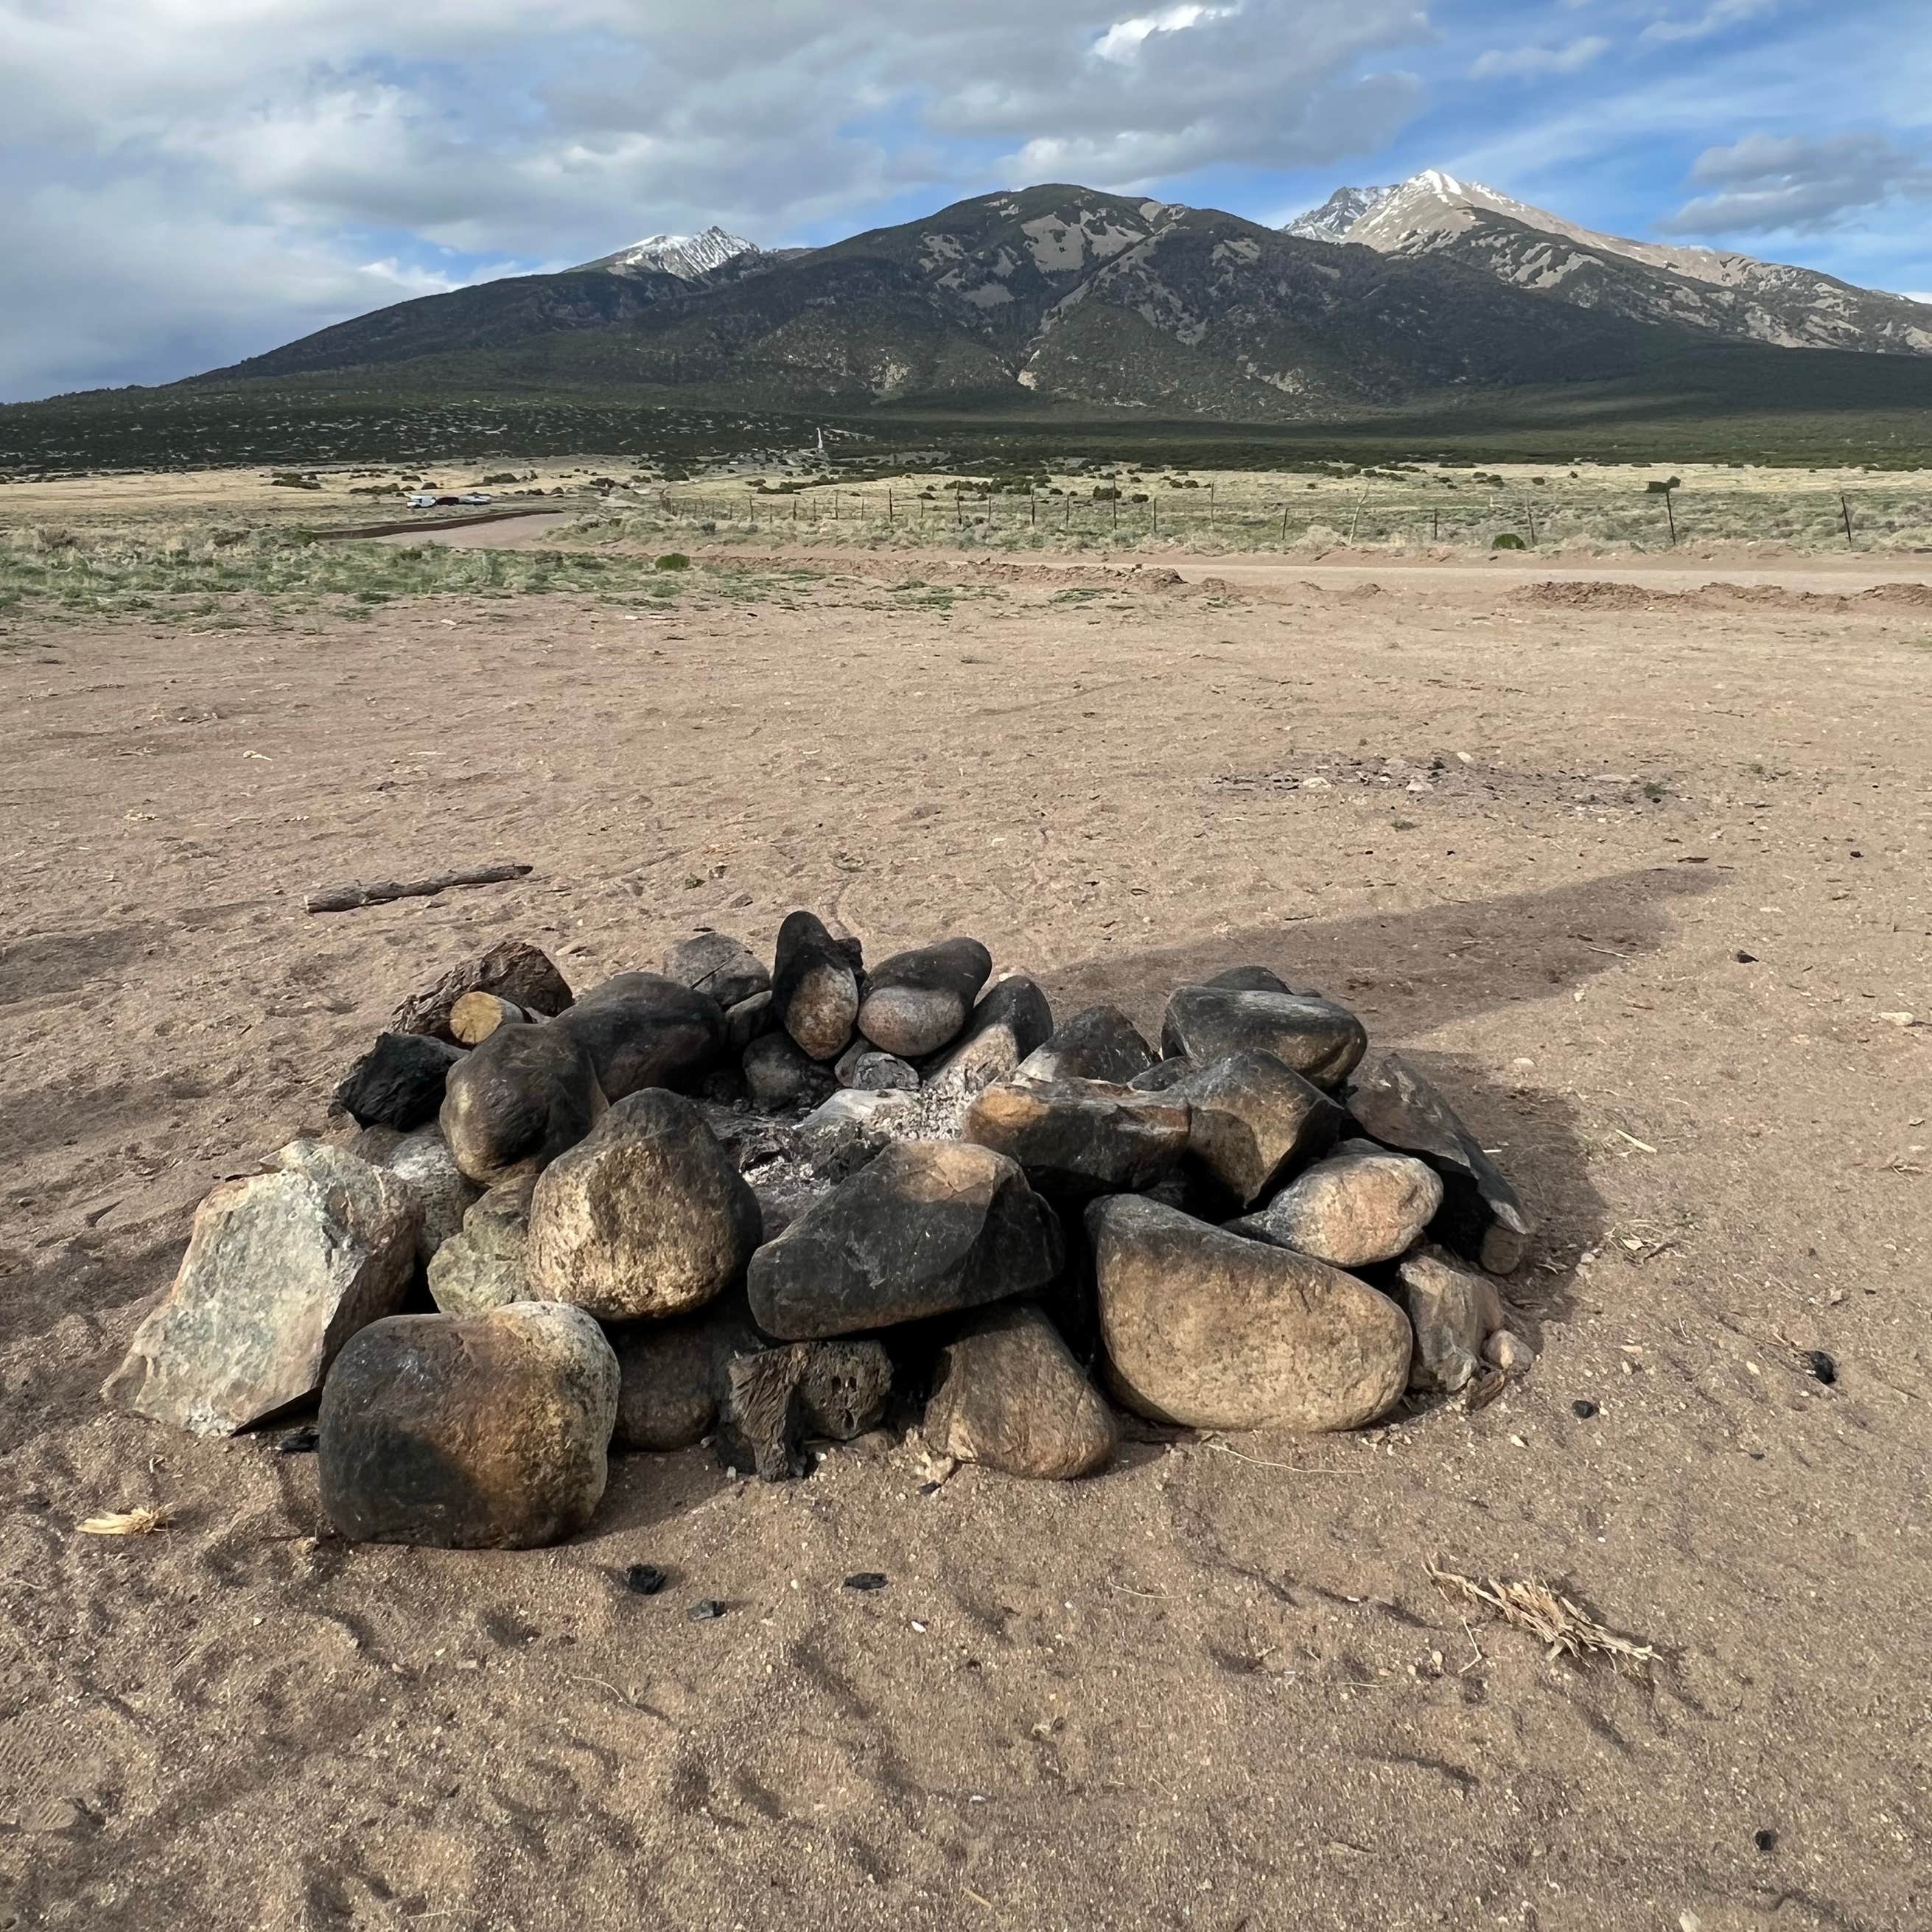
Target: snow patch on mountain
(1339,213)
(689,257)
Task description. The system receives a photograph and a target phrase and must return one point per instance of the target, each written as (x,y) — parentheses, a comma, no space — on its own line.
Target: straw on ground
(1554,1620)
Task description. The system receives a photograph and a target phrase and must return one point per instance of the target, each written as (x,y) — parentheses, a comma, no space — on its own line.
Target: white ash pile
(760,1207)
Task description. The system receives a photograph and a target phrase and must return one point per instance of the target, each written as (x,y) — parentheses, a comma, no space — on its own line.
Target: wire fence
(1667,517)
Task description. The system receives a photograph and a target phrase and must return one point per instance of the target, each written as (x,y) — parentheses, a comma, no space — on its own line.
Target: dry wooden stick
(379,892)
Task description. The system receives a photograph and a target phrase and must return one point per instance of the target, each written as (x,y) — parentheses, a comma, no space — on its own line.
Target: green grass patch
(275,576)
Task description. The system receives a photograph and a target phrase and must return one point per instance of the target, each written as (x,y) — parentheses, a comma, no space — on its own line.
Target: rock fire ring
(766,1207)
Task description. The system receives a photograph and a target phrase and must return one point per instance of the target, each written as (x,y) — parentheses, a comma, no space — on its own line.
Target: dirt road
(1647,892)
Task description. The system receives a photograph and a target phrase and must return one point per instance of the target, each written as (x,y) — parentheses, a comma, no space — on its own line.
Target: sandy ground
(1214,1688)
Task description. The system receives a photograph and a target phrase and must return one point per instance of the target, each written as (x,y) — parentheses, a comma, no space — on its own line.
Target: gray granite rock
(1319,1038)
(1081,1136)
(1252,1120)
(1453,1311)
(518,1101)
(642,1030)
(925,1227)
(915,1003)
(1482,1217)
(716,964)
(281,1269)
(1097,1043)
(815,987)
(487,1262)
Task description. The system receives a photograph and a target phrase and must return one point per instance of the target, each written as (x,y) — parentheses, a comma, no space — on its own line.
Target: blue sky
(188,181)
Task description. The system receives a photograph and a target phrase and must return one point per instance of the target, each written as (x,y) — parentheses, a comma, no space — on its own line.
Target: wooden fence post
(1284,525)
(1670,512)
(1844,504)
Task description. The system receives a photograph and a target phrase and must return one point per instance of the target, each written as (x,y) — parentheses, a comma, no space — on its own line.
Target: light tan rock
(1011,1396)
(1508,1352)
(1361,1205)
(1214,1331)
(647,1216)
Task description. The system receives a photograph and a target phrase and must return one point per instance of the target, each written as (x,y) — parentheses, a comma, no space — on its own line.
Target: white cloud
(1714,18)
(1518,62)
(1122,40)
(330,133)
(1766,185)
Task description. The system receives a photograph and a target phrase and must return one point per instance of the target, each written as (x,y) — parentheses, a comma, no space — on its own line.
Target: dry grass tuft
(127,1523)
(1553,1620)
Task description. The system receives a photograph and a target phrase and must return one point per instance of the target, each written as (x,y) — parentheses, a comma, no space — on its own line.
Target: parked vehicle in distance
(474,496)
(422,500)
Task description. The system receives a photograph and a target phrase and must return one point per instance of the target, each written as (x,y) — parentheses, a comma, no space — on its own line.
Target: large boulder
(1204,1328)
(486,1262)
(925,1227)
(469,1432)
(517,1102)
(1012,1020)
(915,1003)
(715,963)
(646,1217)
(1097,1043)
(1252,1119)
(1482,1217)
(399,1082)
(1363,1205)
(1454,1312)
(1318,1037)
(815,987)
(1081,1136)
(512,968)
(642,1030)
(1010,1395)
(281,1269)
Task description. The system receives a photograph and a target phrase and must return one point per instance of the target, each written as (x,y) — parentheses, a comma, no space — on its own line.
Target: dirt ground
(1643,881)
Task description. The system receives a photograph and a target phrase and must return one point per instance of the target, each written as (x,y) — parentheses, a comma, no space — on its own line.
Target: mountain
(1060,303)
(689,257)
(1339,213)
(1056,295)
(1733,297)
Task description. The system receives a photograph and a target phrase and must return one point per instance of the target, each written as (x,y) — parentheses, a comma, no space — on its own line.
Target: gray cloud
(287,151)
(1766,185)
